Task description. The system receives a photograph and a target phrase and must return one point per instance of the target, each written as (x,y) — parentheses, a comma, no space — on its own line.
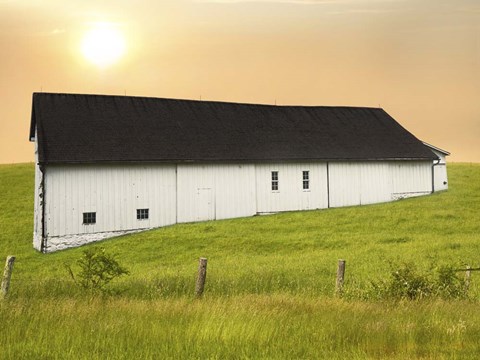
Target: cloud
(362,11)
(301,2)
(333,7)
(53,32)
(57,31)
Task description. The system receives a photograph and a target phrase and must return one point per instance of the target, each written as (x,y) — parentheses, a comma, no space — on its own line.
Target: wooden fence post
(340,277)
(202,274)
(7,274)
(468,273)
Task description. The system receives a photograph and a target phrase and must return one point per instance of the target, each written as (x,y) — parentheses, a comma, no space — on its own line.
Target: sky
(417,59)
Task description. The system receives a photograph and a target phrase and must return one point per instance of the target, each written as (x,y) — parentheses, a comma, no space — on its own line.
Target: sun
(103,45)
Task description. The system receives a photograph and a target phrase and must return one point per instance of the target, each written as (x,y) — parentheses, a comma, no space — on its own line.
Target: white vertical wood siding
(290,194)
(215,191)
(114,192)
(411,178)
(374,182)
(440,176)
(235,191)
(197,192)
(359,183)
(440,172)
(37,203)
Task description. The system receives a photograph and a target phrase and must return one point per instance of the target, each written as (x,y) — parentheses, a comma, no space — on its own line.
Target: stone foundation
(69,241)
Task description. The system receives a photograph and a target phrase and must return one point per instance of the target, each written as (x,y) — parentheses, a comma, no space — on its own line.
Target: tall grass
(248,326)
(270,281)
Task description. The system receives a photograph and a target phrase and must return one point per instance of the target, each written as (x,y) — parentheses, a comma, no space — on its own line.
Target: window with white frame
(274,180)
(142,214)
(306,180)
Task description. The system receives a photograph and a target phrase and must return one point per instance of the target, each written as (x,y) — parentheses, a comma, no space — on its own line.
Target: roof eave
(33,122)
(445,152)
(190,161)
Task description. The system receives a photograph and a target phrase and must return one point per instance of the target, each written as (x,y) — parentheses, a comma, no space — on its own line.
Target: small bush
(97,269)
(406,283)
(449,284)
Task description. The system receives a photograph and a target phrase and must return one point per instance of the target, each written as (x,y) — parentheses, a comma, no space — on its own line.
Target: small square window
(89,218)
(142,214)
(274,180)
(306,180)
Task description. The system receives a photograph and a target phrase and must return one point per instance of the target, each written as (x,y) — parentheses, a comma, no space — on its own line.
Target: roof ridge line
(204,101)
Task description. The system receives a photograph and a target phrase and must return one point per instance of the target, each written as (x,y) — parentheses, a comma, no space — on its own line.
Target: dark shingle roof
(99,128)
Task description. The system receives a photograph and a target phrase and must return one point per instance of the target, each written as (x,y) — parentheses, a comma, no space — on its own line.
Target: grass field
(270,284)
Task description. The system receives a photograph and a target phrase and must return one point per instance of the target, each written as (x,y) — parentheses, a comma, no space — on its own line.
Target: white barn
(111,165)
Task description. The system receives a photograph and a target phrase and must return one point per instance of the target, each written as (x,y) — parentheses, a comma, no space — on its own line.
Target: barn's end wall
(440,172)
(38,204)
(196,192)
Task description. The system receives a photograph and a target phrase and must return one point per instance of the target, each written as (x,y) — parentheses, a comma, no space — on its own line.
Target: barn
(112,165)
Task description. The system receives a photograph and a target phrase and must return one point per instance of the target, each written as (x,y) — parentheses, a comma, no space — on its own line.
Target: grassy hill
(270,283)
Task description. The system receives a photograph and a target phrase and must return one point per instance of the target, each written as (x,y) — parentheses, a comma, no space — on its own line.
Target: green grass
(270,283)
(250,326)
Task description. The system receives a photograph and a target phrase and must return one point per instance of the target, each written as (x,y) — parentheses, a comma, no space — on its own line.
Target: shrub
(449,284)
(406,283)
(97,268)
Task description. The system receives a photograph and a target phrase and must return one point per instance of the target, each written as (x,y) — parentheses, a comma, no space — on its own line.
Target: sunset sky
(417,59)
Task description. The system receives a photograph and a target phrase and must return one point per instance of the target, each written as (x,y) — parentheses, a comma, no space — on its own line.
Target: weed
(407,283)
(97,269)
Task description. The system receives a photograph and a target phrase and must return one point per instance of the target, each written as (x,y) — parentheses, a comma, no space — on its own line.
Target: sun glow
(103,45)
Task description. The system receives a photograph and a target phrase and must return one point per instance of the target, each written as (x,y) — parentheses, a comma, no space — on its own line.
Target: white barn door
(215,191)
(195,193)
(205,204)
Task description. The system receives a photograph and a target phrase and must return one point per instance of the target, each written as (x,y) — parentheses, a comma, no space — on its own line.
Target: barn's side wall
(411,179)
(176,193)
(114,193)
(215,191)
(360,183)
(290,195)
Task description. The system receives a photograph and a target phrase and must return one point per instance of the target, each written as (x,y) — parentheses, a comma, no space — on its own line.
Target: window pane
(142,214)
(306,179)
(89,218)
(274,180)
